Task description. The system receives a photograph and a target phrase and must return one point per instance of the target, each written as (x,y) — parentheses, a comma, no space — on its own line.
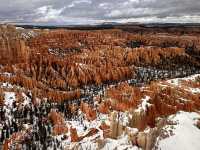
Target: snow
(122,143)
(183,99)
(183,132)
(132,130)
(7,74)
(9,98)
(185,135)
(29,34)
(144,104)
(192,78)
(194,90)
(83,66)
(27,100)
(124,118)
(176,82)
(19,28)
(87,124)
(6,85)
(89,143)
(83,127)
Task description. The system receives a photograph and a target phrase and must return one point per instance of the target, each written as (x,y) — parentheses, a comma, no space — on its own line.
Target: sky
(63,12)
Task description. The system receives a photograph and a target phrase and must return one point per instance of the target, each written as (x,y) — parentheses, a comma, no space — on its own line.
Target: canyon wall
(12,47)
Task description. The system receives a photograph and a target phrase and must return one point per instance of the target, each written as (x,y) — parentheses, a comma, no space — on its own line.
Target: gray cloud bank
(98,11)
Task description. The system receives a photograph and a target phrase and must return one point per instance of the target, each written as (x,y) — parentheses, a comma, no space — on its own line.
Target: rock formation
(12,48)
(116,128)
(62,89)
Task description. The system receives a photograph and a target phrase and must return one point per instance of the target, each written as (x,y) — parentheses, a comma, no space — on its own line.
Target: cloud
(76,2)
(130,13)
(48,13)
(104,5)
(95,11)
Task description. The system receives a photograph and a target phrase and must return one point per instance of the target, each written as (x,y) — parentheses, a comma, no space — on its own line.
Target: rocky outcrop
(138,120)
(163,100)
(124,97)
(59,126)
(74,135)
(12,48)
(198,124)
(116,128)
(1,98)
(89,112)
(104,108)
(106,130)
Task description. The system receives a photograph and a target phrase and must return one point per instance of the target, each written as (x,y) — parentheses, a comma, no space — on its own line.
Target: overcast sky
(98,11)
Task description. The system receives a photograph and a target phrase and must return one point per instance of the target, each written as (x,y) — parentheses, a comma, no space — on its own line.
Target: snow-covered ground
(122,143)
(183,135)
(176,81)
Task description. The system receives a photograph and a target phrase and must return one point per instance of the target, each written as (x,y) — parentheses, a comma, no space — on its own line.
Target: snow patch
(144,104)
(194,90)
(6,85)
(9,98)
(176,82)
(27,100)
(185,134)
(122,143)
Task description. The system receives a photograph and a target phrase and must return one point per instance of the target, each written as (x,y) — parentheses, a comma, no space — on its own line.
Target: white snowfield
(185,135)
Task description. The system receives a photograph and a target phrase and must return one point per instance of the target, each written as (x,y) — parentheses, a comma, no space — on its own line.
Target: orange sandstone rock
(73,134)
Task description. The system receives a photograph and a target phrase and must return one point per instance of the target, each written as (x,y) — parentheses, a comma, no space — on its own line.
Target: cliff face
(12,48)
